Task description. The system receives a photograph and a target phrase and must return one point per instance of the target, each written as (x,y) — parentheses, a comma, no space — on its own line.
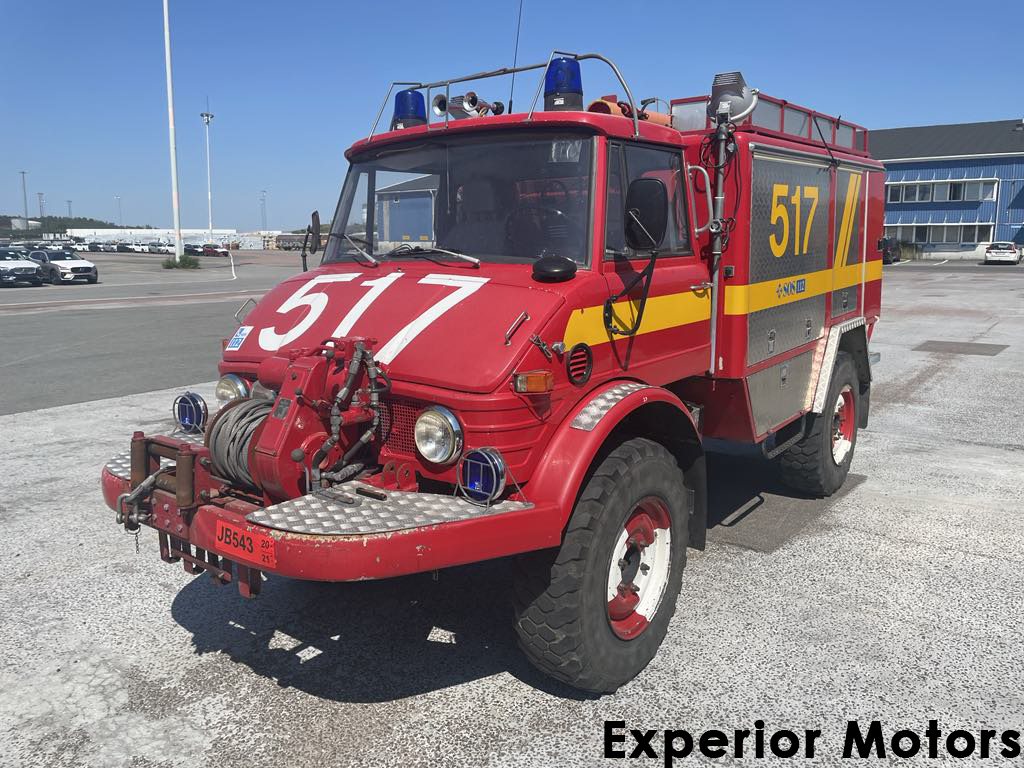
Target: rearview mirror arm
(644,276)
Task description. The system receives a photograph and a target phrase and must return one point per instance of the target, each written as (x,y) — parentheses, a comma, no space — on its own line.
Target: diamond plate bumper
(345,534)
(349,509)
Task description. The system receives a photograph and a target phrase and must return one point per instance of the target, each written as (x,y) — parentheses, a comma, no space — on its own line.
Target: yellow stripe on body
(744,299)
(661,313)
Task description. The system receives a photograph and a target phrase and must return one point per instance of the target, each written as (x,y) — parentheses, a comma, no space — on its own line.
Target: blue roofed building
(952,189)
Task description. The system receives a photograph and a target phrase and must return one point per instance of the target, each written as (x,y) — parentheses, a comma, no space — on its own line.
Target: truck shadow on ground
(385,640)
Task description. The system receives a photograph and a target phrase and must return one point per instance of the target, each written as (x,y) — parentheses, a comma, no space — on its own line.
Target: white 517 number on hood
(272,340)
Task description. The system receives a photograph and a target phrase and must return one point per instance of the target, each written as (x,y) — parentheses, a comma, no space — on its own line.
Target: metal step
(354,508)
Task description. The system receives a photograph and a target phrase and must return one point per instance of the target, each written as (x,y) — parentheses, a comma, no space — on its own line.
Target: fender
(849,336)
(629,408)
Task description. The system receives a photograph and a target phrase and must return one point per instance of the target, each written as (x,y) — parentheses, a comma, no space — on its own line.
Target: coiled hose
(229,439)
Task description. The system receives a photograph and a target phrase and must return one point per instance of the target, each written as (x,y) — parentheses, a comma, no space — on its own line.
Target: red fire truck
(595,290)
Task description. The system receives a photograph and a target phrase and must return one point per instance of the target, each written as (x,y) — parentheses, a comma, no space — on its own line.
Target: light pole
(263,209)
(120,217)
(41,210)
(170,135)
(69,208)
(24,194)
(207,117)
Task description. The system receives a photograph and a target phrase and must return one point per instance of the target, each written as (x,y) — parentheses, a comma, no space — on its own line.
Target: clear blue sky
(292,84)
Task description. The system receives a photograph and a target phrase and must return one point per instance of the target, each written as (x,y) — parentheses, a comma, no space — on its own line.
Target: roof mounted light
(410,110)
(731,99)
(563,85)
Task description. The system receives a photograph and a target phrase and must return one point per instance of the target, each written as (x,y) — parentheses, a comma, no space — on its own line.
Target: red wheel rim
(639,570)
(843,424)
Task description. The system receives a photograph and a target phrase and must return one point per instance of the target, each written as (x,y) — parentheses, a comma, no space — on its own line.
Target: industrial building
(951,189)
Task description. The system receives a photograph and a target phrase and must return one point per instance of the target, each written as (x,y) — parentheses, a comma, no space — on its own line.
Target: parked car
(193,250)
(64,267)
(109,247)
(1002,253)
(212,249)
(124,247)
(16,267)
(139,248)
(154,247)
(94,247)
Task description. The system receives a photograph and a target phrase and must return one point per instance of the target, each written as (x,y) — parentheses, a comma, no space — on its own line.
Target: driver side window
(627,162)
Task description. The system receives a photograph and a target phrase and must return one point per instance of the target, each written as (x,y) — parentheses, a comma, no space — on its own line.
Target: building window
(988,190)
(941,193)
(972,190)
(910,193)
(924,193)
(920,234)
(956,191)
(895,191)
(984,233)
(892,232)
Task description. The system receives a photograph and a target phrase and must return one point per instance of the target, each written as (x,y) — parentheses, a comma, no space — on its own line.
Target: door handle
(700,287)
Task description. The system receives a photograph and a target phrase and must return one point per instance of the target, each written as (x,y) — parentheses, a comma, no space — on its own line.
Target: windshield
(502,198)
(61,256)
(11,256)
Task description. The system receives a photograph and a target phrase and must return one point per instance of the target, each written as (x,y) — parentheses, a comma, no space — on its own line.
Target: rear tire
(819,463)
(594,613)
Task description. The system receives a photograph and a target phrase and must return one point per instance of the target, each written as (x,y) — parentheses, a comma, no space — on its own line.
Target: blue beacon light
(563,85)
(410,110)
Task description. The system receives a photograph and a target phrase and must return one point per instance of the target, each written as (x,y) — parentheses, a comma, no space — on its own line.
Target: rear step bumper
(349,533)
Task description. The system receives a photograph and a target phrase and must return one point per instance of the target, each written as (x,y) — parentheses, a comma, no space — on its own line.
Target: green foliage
(187,262)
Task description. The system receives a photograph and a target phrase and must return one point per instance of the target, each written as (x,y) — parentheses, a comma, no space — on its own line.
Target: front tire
(819,463)
(594,613)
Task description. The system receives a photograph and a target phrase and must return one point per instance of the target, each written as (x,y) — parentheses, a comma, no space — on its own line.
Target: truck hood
(432,324)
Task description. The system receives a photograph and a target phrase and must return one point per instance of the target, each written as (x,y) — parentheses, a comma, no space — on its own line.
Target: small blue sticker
(239,337)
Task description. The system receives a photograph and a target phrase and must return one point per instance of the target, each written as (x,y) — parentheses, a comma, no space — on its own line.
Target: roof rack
(446,84)
(777,117)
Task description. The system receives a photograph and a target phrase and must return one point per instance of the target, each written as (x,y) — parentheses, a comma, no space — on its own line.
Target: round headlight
(438,435)
(231,387)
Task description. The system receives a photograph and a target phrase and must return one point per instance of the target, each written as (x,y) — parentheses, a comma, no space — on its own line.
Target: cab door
(672,340)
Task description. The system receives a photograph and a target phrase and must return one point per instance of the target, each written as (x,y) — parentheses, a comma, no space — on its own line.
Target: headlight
(438,435)
(231,387)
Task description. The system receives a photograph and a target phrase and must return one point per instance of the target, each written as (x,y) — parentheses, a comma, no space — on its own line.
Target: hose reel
(230,435)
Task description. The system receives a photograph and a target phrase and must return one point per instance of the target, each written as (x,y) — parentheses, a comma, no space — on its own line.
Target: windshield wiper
(419,250)
(369,257)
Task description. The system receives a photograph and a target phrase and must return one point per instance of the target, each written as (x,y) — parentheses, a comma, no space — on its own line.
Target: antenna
(515,57)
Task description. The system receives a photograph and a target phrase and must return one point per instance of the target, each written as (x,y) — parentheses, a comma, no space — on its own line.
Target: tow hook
(134,498)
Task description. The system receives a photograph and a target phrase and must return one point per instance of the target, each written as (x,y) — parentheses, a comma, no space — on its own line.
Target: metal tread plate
(342,511)
(598,407)
(120,465)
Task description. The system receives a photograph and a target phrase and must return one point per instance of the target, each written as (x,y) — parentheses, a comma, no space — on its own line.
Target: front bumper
(352,532)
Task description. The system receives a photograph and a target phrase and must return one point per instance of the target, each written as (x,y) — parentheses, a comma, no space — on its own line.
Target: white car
(64,267)
(15,268)
(1003,253)
(139,248)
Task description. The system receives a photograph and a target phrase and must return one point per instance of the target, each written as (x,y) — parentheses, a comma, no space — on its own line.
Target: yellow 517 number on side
(779,242)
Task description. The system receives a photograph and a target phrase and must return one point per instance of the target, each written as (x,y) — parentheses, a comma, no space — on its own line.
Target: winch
(312,432)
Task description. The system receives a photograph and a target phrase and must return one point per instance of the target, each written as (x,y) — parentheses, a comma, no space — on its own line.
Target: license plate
(238,543)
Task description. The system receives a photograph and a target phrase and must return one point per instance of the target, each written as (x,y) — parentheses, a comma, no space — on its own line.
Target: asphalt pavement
(897,600)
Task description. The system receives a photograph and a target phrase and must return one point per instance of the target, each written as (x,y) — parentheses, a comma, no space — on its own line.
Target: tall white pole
(170,133)
(207,117)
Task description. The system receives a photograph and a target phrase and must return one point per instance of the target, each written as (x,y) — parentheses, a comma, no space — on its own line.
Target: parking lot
(898,600)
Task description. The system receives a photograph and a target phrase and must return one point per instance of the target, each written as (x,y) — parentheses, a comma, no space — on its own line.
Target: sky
(293,84)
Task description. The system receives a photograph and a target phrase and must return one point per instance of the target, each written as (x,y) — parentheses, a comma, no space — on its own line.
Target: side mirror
(883,243)
(646,214)
(314,232)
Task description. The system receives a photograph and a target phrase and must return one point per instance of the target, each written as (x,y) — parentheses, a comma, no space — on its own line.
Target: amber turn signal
(533,382)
